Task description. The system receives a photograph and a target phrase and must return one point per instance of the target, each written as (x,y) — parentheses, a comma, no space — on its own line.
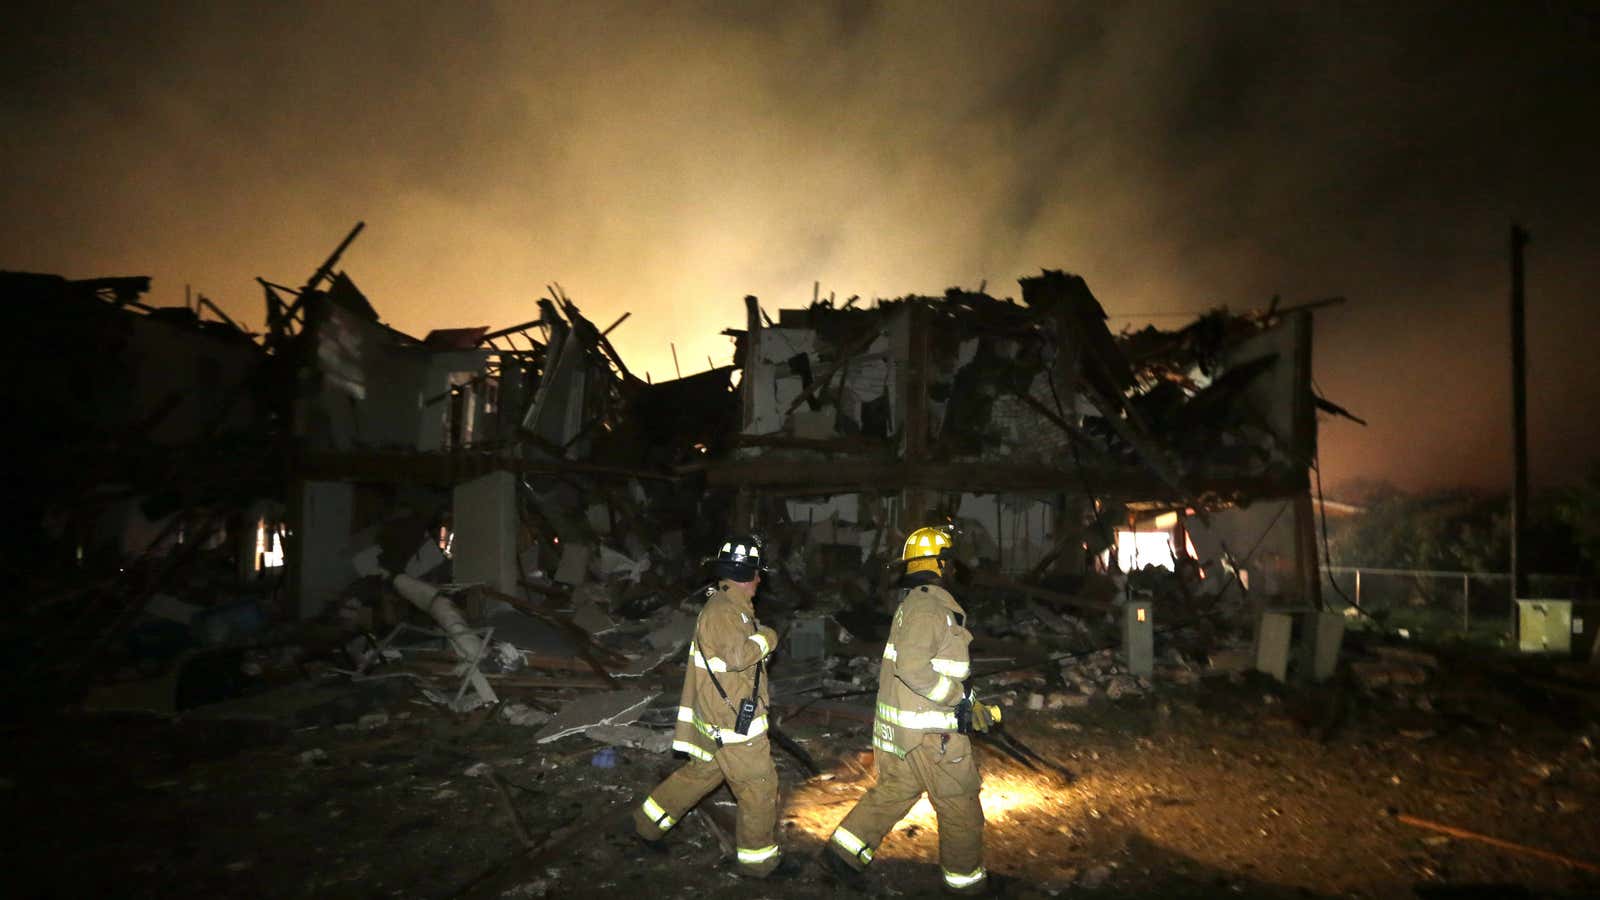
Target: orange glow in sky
(668,160)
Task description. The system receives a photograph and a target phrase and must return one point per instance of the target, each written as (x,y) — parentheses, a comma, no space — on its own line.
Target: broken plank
(509,807)
(612,708)
(720,833)
(790,746)
(1496,842)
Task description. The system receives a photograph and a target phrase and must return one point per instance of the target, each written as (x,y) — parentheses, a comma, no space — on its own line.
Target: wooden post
(999,533)
(1519,413)
(744,504)
(1306,560)
(744,511)
(294,531)
(914,414)
(750,363)
(1308,557)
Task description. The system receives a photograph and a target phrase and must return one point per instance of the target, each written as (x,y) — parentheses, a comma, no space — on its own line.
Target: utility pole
(1519,414)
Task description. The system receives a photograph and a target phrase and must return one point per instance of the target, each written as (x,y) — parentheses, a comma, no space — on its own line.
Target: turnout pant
(748,769)
(946,770)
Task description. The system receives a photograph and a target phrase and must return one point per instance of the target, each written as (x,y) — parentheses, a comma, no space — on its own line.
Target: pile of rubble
(487,511)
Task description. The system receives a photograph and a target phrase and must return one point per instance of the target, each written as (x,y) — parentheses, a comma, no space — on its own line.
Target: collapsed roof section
(548,391)
(986,394)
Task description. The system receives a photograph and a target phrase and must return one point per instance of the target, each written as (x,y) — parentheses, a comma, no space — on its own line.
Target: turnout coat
(731,645)
(924,665)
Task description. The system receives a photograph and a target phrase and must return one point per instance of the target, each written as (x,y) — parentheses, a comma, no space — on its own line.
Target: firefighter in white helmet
(722,716)
(920,737)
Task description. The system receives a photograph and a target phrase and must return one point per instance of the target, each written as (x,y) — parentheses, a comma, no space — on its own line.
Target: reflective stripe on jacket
(924,664)
(730,643)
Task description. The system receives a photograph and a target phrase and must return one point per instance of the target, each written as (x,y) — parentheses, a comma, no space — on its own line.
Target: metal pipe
(463,641)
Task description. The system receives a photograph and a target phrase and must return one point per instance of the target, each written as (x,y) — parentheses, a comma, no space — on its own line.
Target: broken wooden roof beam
(778,473)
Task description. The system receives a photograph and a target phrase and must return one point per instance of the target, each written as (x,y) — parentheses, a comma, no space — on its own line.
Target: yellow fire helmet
(926,550)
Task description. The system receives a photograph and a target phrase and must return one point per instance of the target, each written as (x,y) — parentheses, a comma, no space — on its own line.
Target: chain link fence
(1477,606)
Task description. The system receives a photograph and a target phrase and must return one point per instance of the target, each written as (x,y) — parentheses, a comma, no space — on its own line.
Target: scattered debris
(523,715)
(613,708)
(1372,674)
(1230,659)
(508,523)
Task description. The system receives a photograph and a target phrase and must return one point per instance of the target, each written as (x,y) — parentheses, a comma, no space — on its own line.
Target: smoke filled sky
(667,159)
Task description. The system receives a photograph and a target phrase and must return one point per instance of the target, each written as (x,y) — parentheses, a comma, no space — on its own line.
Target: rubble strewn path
(1225,788)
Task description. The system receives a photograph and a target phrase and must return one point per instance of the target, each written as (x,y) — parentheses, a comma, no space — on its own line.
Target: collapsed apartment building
(1060,451)
(522,482)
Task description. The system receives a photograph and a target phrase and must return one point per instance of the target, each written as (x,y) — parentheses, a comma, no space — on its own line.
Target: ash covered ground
(1230,785)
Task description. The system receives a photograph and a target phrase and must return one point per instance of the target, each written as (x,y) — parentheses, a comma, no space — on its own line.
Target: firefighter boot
(841,871)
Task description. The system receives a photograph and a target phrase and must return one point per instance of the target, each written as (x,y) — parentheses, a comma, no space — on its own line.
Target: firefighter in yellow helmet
(722,717)
(920,737)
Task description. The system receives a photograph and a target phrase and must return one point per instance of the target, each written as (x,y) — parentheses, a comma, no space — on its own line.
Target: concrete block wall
(485,544)
(322,565)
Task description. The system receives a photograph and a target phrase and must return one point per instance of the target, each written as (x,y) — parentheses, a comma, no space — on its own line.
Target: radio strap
(755,692)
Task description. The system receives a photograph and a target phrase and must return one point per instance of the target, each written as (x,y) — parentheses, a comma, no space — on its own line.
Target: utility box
(1327,637)
(1545,626)
(808,640)
(1139,638)
(1299,644)
(1275,643)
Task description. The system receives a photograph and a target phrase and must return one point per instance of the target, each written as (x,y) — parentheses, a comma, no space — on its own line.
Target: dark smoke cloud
(668,160)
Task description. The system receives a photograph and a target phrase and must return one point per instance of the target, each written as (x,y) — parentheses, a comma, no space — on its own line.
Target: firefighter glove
(984,716)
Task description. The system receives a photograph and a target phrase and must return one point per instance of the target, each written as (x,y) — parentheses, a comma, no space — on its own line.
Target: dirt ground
(1234,786)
